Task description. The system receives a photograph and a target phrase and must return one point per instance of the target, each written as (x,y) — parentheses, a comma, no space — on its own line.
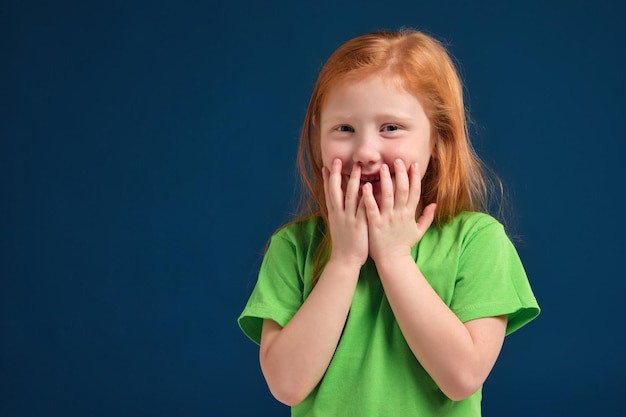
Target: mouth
(373,179)
(369,179)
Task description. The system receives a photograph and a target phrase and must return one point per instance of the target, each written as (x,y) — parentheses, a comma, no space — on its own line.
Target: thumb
(426,219)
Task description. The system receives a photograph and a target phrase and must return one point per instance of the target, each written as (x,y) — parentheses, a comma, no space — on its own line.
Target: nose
(366,152)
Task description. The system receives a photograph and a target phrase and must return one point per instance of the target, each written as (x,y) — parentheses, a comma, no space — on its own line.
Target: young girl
(360,309)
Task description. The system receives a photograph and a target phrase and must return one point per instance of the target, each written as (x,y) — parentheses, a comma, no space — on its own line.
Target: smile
(368,179)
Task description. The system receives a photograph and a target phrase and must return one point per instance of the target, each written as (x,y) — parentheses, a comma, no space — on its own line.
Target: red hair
(455,178)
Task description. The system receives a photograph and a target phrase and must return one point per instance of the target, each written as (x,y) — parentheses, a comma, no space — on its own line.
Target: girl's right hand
(346,215)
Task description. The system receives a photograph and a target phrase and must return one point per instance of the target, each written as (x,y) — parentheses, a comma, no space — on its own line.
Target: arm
(294,358)
(457,356)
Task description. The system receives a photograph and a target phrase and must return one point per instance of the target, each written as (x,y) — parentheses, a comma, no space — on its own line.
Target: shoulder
(302,235)
(471,220)
(467,224)
(300,230)
(466,233)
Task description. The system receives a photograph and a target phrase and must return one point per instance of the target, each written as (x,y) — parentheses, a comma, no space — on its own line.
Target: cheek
(324,152)
(326,156)
(422,158)
(330,151)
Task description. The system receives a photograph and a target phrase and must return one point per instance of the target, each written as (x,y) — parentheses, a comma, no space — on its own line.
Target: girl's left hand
(392,228)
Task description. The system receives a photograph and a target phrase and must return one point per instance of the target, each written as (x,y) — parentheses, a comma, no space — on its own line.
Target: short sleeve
(491,279)
(277,294)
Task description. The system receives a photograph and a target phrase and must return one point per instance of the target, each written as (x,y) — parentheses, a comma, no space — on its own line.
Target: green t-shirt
(470,262)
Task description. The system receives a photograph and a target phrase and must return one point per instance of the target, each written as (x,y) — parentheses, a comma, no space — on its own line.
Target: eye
(390,128)
(345,128)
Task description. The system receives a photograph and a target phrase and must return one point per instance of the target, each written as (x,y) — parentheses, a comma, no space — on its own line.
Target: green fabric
(471,264)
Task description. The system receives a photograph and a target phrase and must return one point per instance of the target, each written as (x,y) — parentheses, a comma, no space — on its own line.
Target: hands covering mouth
(386,180)
(374,215)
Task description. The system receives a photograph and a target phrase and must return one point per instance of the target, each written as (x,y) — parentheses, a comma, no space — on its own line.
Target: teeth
(370,180)
(364,180)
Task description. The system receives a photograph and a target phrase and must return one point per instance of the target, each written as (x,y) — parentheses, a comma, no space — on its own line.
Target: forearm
(457,359)
(295,358)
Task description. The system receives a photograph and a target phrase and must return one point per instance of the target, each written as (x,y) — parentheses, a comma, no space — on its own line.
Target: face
(371,123)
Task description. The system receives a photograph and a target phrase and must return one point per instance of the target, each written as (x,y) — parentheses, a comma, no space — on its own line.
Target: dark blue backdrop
(147,153)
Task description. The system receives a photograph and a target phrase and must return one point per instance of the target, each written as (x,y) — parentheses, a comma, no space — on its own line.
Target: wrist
(341,271)
(391,254)
(390,262)
(345,262)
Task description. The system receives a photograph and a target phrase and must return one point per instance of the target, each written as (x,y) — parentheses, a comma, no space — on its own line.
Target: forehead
(393,77)
(374,92)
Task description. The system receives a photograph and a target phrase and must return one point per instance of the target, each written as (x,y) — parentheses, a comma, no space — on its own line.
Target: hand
(346,215)
(392,228)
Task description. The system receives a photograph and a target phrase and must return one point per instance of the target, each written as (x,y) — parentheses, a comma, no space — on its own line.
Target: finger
(352,189)
(335,193)
(402,183)
(369,202)
(361,215)
(426,219)
(325,175)
(415,185)
(386,189)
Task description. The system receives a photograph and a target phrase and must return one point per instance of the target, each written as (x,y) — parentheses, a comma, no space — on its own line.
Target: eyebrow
(401,117)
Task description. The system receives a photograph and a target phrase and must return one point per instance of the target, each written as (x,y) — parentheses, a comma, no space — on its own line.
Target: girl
(359,308)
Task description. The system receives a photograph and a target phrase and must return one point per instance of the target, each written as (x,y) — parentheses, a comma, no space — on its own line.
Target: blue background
(148,151)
